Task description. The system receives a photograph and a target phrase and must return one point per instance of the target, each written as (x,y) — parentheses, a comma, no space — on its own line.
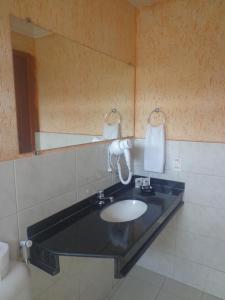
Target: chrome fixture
(111,112)
(102,199)
(25,250)
(157,110)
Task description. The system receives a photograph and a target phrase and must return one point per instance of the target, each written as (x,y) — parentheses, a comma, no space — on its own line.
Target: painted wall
(78,86)
(8,126)
(108,27)
(23,43)
(180,68)
(191,248)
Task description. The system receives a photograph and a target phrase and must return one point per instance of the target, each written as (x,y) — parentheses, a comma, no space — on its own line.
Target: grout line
(185,171)
(15,184)
(45,200)
(202,292)
(161,287)
(7,216)
(75,189)
(188,260)
(17,203)
(164,281)
(185,141)
(157,295)
(114,290)
(204,205)
(203,174)
(181,229)
(76,168)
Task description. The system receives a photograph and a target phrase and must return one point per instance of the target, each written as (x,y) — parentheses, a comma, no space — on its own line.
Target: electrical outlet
(146,181)
(177,164)
(138,182)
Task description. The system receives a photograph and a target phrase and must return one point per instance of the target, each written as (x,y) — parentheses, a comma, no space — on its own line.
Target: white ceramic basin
(123,211)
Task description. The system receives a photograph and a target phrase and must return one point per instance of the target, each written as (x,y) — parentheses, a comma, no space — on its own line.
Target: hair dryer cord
(120,174)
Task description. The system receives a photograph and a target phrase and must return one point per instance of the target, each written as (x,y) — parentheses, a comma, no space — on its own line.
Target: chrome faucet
(102,199)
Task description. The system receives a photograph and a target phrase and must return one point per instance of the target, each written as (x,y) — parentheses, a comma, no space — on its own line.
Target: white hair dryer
(118,148)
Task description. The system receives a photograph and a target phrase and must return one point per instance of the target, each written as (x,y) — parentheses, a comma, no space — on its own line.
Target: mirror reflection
(66,93)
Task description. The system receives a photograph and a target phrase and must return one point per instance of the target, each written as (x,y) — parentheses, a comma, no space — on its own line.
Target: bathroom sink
(123,211)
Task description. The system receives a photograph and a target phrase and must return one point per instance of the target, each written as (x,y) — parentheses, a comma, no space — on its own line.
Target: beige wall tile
(41,178)
(7,188)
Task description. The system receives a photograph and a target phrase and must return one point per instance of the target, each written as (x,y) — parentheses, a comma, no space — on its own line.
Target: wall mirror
(66,93)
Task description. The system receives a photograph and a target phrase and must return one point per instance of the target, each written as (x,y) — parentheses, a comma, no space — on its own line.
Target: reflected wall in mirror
(66,93)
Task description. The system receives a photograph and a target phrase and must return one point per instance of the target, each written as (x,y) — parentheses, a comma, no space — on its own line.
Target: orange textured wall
(8,126)
(78,88)
(23,43)
(108,26)
(181,68)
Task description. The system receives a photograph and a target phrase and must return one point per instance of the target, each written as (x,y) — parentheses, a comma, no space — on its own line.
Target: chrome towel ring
(157,111)
(110,113)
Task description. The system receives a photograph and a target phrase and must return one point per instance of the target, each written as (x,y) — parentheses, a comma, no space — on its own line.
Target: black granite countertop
(80,231)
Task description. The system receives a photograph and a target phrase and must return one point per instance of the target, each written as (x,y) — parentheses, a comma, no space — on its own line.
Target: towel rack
(111,112)
(156,110)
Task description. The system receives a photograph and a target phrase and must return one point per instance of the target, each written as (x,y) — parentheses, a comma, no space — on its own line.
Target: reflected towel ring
(157,110)
(113,111)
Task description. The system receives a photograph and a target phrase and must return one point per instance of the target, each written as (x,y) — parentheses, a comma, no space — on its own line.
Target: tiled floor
(142,284)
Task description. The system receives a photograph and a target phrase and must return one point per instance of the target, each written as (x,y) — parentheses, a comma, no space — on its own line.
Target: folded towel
(154,153)
(111,131)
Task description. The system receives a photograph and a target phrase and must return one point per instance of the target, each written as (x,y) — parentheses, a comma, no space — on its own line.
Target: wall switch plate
(177,164)
(138,182)
(142,181)
(146,181)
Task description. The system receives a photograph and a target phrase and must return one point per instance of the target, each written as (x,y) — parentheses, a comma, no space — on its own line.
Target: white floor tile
(148,276)
(158,262)
(209,297)
(190,273)
(215,283)
(143,284)
(181,290)
(167,296)
(133,289)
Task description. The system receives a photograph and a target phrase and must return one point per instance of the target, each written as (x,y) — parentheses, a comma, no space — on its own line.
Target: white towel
(97,139)
(154,154)
(111,131)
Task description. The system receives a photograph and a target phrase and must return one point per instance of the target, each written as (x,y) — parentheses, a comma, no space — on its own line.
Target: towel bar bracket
(156,110)
(113,111)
